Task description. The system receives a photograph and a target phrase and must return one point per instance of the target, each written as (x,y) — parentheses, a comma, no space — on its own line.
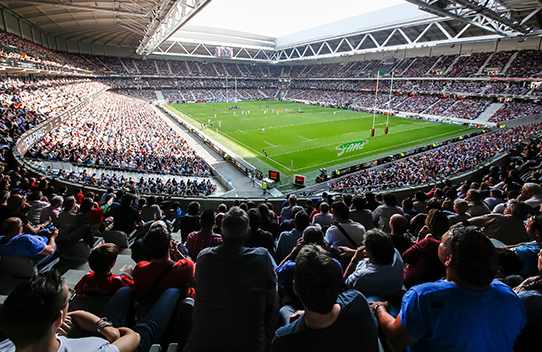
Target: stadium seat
(117,237)
(22,267)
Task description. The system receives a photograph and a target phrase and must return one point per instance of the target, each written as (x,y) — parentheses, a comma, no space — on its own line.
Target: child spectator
(100,281)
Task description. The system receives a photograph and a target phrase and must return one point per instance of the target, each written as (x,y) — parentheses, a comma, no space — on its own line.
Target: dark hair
(340,209)
(359,202)
(380,245)
(156,242)
(255,218)
(313,234)
(31,308)
(207,219)
(193,208)
(438,223)
(473,256)
(301,220)
(389,199)
(235,226)
(318,279)
(102,257)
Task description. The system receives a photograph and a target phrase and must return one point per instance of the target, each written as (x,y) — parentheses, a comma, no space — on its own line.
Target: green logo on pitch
(351,146)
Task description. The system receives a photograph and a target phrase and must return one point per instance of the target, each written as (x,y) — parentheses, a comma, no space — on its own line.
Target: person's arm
(293,254)
(412,254)
(392,327)
(128,340)
(51,245)
(359,255)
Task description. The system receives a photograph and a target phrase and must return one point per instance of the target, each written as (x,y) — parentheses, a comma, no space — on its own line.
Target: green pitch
(311,137)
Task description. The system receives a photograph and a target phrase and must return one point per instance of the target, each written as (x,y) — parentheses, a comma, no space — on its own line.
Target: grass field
(310,136)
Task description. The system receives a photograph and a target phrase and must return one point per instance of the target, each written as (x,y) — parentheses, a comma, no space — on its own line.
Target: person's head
(255,218)
(398,224)
(359,202)
(157,242)
(317,280)
(235,226)
(469,256)
(534,227)
(420,196)
(437,222)
(294,210)
(207,219)
(69,203)
(340,211)
(301,220)
(16,202)
(292,200)
(529,190)
(35,195)
(193,208)
(103,257)
(34,309)
(474,195)
(407,204)
(222,208)
(264,212)
(461,206)
(127,200)
(56,201)
(389,199)
(379,247)
(313,234)
(12,227)
(324,207)
(495,193)
(517,209)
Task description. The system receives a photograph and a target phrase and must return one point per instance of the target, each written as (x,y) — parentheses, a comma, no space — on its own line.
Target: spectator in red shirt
(167,269)
(204,238)
(100,281)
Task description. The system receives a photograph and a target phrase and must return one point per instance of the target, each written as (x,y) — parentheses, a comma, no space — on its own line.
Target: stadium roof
(146,24)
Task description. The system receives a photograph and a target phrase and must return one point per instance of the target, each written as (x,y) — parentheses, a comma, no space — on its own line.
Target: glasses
(533,218)
(72,294)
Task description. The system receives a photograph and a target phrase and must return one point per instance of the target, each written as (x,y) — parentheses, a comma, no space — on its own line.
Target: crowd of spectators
(467,108)
(120,132)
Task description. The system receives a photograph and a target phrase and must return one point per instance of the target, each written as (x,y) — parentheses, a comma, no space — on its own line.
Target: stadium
(121,119)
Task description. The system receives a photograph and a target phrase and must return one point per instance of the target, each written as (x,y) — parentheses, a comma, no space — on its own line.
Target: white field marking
(256,152)
(241,131)
(270,144)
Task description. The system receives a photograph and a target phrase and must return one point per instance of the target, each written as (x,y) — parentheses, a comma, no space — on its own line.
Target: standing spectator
(231,317)
(203,238)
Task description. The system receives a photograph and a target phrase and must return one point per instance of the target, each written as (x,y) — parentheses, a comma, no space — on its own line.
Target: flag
(382,72)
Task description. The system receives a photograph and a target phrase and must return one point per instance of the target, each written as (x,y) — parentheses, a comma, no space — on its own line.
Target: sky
(276,18)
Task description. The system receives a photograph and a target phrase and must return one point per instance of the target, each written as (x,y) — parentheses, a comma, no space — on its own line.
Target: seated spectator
(495,198)
(15,208)
(376,269)
(285,211)
(69,216)
(37,202)
(167,269)
(461,207)
(344,232)
(151,211)
(531,194)
(232,317)
(422,259)
(530,294)
(100,281)
(358,212)
(507,228)
(528,252)
(15,243)
(51,212)
(476,205)
(259,237)
(268,223)
(127,218)
(329,316)
(400,236)
(420,205)
(288,239)
(190,222)
(382,214)
(459,313)
(203,238)
(323,218)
